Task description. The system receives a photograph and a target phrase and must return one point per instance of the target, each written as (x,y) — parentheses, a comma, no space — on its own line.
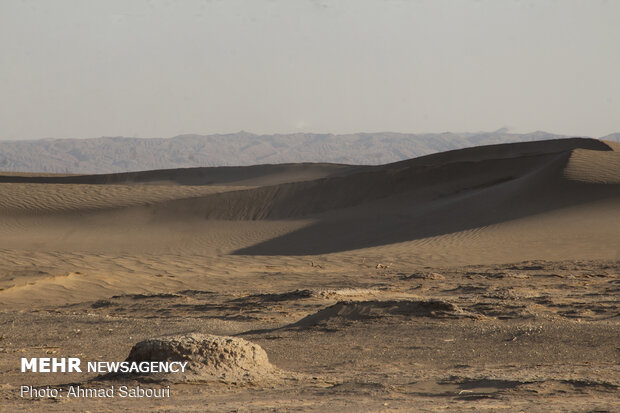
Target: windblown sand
(484,279)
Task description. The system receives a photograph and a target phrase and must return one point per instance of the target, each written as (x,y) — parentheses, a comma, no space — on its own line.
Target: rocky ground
(528,336)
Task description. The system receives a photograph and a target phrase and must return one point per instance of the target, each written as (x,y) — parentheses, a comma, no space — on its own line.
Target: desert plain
(481,279)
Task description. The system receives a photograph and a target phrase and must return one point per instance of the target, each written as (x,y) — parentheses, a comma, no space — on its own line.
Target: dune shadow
(379,225)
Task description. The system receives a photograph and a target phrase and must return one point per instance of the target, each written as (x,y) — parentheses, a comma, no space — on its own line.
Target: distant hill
(119,154)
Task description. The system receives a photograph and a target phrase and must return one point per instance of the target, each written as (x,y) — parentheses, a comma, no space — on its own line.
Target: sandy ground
(484,279)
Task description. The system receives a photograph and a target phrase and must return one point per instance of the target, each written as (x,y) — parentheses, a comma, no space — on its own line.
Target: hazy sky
(81,69)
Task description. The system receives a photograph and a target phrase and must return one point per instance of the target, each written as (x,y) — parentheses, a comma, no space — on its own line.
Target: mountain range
(122,154)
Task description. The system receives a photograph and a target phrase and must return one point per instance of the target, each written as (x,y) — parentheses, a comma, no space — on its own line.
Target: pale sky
(83,69)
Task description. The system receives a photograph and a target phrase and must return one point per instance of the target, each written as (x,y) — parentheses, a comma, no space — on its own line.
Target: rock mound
(364,310)
(208,357)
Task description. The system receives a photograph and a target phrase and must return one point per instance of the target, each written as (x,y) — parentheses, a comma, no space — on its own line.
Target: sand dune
(50,198)
(347,208)
(427,178)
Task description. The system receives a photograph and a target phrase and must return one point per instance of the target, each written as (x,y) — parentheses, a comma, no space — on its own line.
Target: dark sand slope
(226,175)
